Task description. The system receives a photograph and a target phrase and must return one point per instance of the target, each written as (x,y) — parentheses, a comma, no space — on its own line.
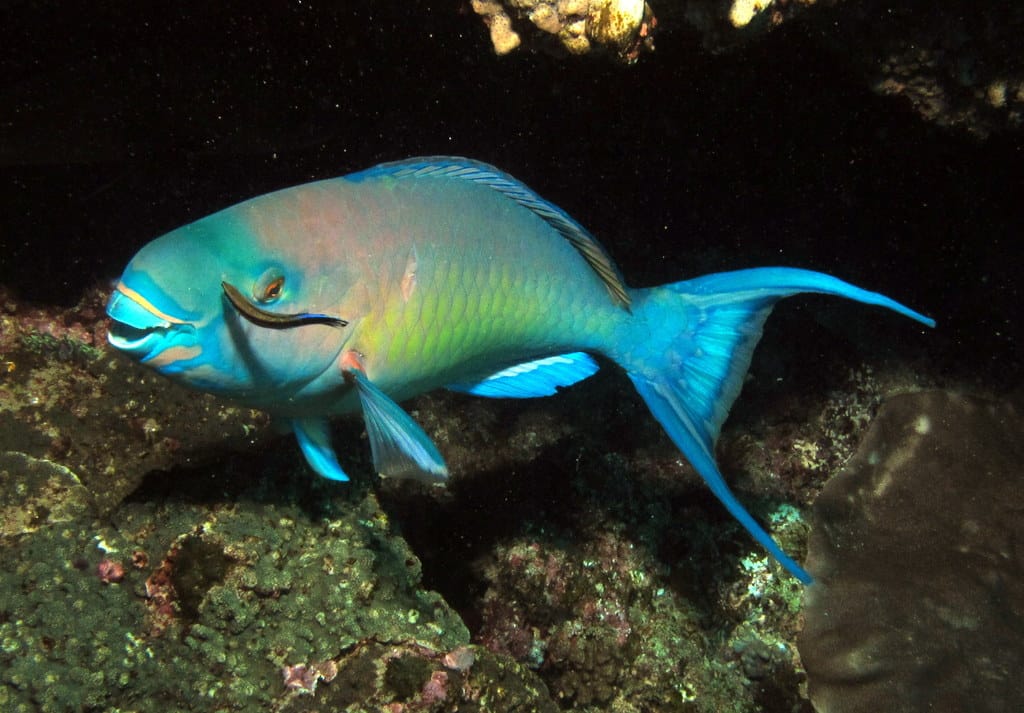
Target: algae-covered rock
(64,397)
(35,492)
(406,677)
(919,603)
(185,606)
(67,626)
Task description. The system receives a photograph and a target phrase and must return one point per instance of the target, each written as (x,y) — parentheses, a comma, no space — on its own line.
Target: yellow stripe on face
(173,354)
(146,304)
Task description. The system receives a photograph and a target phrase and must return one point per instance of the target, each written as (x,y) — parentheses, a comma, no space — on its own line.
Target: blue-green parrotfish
(356,293)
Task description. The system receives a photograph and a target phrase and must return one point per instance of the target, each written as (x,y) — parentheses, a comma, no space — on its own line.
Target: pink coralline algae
(304,677)
(161,597)
(459,659)
(110,571)
(436,688)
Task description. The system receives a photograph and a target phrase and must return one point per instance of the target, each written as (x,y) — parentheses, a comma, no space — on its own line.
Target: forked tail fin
(689,348)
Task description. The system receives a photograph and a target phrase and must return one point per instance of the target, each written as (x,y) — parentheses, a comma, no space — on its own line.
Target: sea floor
(161,545)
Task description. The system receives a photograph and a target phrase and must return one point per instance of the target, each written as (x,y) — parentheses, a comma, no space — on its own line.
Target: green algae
(212,605)
(65,348)
(68,639)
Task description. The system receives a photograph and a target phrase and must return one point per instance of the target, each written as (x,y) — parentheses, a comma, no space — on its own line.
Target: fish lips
(142,331)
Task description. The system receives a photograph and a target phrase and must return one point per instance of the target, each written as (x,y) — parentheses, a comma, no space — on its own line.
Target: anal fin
(540,377)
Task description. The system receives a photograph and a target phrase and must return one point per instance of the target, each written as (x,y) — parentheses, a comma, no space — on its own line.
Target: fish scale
(505,308)
(355,293)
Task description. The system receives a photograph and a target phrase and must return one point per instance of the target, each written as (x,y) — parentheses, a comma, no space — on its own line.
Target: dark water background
(117,124)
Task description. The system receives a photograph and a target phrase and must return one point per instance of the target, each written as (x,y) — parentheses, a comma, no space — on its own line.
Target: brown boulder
(918,551)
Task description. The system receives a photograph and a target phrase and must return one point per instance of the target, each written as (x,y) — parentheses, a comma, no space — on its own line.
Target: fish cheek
(267,359)
(240,353)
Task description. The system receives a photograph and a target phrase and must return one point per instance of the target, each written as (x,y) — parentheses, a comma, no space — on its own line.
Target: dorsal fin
(469,170)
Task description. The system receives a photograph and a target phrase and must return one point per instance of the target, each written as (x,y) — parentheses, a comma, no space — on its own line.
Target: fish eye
(269,287)
(273,290)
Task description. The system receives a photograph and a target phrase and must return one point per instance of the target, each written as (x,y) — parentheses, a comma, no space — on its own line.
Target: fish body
(355,293)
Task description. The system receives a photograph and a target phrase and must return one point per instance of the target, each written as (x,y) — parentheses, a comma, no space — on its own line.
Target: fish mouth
(141,330)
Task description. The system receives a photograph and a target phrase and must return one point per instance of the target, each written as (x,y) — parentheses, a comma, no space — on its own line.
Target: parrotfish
(356,293)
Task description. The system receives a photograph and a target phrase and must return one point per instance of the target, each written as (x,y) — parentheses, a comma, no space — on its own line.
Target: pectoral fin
(400,447)
(315,443)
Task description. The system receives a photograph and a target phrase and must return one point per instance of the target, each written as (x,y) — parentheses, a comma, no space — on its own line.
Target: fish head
(212,306)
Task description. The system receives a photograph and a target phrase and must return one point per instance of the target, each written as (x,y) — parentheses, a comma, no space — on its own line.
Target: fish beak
(129,309)
(139,328)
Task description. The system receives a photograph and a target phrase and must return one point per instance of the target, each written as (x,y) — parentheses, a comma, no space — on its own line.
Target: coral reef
(724,24)
(65,398)
(920,577)
(578,543)
(625,27)
(603,576)
(605,629)
(955,64)
(202,607)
